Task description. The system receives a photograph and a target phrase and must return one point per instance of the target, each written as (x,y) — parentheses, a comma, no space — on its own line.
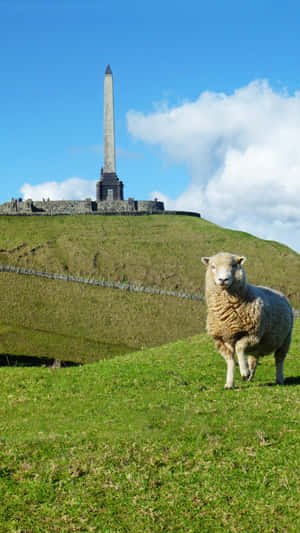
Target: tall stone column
(109,187)
(109,124)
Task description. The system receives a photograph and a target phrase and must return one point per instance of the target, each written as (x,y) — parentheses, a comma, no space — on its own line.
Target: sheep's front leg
(240,352)
(227,351)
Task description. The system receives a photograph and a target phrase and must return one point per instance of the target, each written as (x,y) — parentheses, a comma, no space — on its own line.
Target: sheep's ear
(240,260)
(205,260)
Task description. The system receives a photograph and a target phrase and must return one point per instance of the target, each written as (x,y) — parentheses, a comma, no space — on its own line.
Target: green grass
(65,320)
(150,442)
(146,441)
(159,251)
(81,323)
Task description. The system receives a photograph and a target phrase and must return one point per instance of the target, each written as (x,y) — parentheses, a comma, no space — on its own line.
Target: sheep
(245,318)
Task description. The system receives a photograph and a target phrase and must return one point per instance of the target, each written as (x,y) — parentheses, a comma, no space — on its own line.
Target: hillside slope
(72,322)
(150,442)
(159,251)
(82,323)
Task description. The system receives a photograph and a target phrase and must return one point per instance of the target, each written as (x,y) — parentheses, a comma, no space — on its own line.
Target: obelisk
(109,123)
(109,188)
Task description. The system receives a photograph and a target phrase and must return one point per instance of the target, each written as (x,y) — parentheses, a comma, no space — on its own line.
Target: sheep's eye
(213,267)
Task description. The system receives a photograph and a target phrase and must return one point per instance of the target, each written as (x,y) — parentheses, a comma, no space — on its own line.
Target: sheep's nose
(223,281)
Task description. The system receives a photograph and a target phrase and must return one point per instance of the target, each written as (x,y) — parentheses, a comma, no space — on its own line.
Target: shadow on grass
(293,380)
(25,360)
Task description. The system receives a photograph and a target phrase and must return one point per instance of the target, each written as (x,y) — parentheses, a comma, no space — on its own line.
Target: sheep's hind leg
(280,356)
(227,351)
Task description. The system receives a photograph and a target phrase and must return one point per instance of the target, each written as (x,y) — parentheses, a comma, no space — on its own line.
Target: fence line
(102,283)
(108,284)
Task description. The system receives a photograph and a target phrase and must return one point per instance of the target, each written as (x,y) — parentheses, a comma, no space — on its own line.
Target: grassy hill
(160,251)
(74,322)
(71,322)
(146,440)
(150,442)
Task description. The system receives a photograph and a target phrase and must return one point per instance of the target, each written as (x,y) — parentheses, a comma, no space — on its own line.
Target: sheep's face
(225,270)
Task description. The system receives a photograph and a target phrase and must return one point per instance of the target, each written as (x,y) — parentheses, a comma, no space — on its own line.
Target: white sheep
(245,318)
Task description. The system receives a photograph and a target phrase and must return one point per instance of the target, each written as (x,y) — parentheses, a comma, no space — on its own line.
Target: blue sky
(195,122)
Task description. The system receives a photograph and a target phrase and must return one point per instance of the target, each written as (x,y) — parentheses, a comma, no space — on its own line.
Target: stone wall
(100,283)
(17,207)
(118,206)
(109,284)
(61,207)
(80,207)
(149,206)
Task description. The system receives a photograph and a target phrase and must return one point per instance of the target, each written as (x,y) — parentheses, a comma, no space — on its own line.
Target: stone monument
(109,187)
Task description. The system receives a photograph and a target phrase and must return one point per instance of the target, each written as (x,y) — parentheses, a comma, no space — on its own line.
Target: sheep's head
(226,270)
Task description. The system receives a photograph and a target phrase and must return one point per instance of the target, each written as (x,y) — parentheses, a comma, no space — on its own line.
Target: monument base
(109,187)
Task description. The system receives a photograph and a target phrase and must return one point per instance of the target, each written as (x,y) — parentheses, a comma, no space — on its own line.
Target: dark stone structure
(109,187)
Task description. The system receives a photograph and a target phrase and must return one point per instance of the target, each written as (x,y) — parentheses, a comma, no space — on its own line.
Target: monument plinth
(109,187)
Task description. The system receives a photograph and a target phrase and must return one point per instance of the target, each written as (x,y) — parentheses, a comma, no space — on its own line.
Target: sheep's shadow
(293,380)
(26,360)
(288,382)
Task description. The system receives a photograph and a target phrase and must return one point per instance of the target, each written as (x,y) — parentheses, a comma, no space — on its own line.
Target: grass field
(80,323)
(156,251)
(59,320)
(146,439)
(150,442)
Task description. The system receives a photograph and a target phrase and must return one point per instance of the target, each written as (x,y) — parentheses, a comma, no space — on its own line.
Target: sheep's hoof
(246,374)
(228,387)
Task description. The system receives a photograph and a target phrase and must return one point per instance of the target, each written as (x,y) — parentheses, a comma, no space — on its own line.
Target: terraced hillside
(160,251)
(80,323)
(67,321)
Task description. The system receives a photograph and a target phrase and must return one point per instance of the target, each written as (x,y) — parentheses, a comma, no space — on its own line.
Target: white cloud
(71,189)
(242,153)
